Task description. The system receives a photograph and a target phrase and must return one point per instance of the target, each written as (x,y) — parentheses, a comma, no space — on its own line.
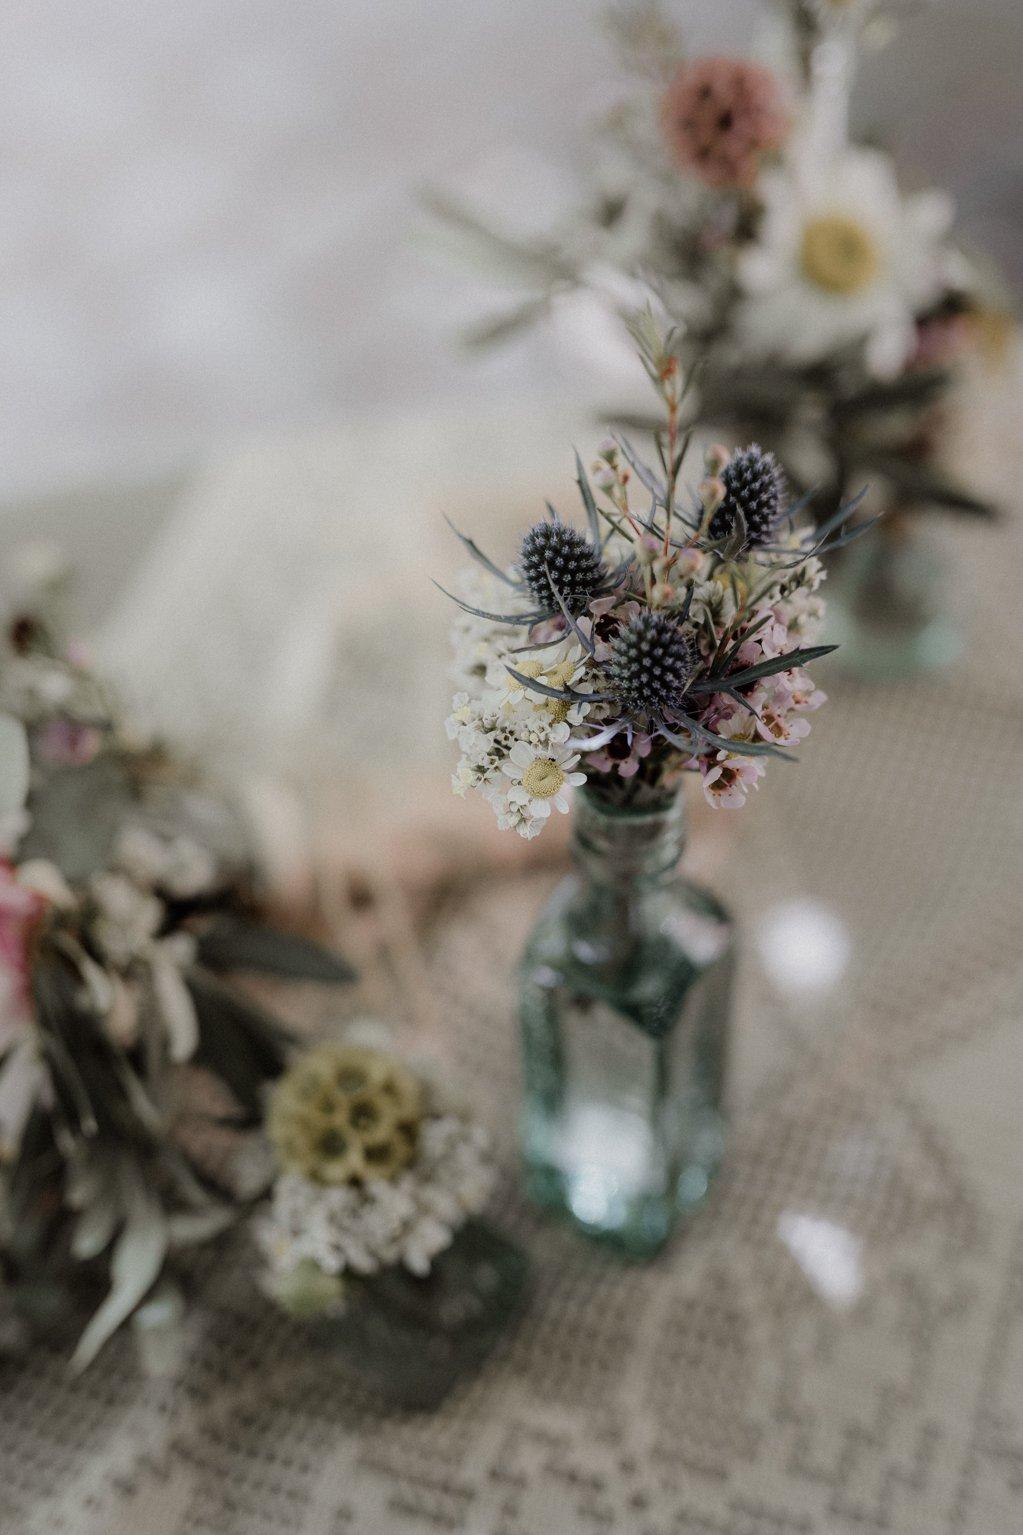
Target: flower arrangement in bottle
(673,636)
(832,310)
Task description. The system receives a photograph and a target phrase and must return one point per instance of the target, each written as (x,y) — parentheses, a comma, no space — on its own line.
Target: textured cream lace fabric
(834,1348)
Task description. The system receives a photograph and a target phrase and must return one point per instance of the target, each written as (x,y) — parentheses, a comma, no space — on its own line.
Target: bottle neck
(623,847)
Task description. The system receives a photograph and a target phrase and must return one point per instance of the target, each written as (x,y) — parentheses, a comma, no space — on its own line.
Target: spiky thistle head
(575,565)
(755,484)
(652,663)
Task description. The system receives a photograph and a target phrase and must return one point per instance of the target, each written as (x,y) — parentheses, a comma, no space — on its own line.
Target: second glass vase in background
(888,608)
(625,1004)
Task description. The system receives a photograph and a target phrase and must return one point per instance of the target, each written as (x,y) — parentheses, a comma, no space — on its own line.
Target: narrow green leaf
(232,942)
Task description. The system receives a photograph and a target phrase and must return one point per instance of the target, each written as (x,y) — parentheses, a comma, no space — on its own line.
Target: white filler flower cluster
(363,1227)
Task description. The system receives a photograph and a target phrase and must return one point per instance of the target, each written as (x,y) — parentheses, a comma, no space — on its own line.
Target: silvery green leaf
(190,1226)
(653,483)
(95,1226)
(14,765)
(478,555)
(176,1006)
(136,1261)
(528,619)
(916,389)
(583,639)
(23,1076)
(568,695)
(538,263)
(588,501)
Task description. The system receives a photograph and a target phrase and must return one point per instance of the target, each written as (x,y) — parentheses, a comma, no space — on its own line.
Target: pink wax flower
(721,116)
(606,617)
(802,693)
(68,743)
(726,784)
(20,912)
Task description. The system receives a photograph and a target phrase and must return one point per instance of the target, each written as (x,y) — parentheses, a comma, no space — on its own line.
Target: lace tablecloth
(835,1346)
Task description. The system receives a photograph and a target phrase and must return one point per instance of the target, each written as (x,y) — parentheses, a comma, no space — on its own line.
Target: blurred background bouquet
(831,312)
(130,1069)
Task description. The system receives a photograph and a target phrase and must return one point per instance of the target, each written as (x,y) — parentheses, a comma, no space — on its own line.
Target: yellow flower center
(558,709)
(838,254)
(543,778)
(561,675)
(527,669)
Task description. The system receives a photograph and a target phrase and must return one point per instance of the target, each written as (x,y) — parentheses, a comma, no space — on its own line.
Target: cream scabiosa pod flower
(842,257)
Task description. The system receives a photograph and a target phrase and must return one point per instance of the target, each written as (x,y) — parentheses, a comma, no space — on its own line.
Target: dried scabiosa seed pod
(344,1113)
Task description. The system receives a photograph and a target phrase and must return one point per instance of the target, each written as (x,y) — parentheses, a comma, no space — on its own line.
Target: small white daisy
(541,778)
(842,257)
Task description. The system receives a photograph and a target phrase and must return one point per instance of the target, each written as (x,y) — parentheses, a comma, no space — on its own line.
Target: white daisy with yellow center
(540,779)
(842,257)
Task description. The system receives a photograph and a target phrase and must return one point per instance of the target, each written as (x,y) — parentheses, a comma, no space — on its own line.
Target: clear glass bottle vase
(625,1001)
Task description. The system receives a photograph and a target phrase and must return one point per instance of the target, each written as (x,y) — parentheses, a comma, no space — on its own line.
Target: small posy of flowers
(671,637)
(376,1171)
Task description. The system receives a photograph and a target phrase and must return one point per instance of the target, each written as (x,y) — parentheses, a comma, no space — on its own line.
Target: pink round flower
(721,116)
(20,912)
